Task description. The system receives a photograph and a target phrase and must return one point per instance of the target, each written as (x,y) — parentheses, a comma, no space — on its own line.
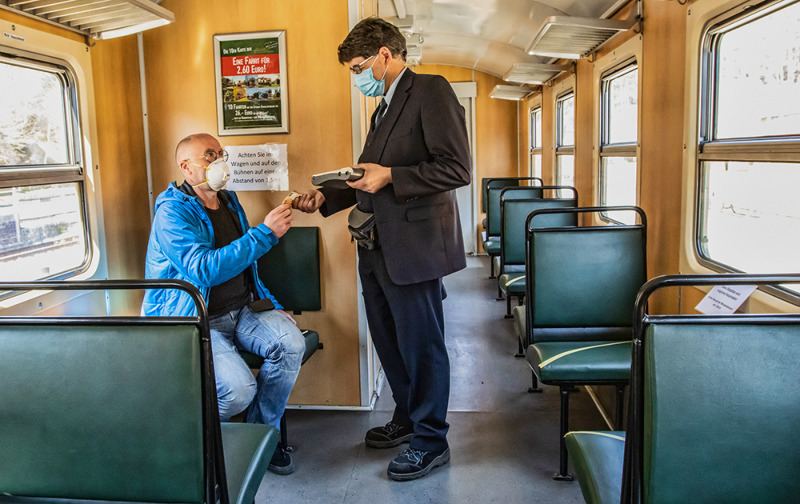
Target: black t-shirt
(234,293)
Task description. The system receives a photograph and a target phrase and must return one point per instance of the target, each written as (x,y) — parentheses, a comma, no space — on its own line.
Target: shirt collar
(390,92)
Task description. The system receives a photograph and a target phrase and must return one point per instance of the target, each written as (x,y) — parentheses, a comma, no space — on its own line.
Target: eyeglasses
(357,68)
(212,156)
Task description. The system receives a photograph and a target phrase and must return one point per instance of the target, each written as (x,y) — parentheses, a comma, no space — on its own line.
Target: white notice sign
(258,167)
(724,299)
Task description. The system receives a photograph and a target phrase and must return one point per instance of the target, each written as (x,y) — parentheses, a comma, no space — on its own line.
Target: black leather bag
(362,228)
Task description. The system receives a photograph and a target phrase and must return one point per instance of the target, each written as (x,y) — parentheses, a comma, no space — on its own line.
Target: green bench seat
(700,430)
(491,206)
(291,272)
(119,409)
(515,206)
(581,284)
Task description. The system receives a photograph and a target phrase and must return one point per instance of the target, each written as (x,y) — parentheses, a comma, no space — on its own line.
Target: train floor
(503,440)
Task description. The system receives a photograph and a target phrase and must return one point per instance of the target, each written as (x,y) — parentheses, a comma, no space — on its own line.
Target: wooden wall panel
(662,78)
(181,90)
(120,135)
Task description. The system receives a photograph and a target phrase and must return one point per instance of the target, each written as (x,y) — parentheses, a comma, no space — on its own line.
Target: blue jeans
(270,335)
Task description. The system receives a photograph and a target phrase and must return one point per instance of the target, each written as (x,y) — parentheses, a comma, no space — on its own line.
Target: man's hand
(291,319)
(309,202)
(375,178)
(279,220)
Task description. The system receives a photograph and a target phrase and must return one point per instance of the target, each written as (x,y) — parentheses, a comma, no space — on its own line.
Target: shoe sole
(281,470)
(389,444)
(438,461)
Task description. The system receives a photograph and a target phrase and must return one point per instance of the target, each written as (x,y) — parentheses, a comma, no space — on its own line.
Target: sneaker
(388,436)
(412,464)
(281,462)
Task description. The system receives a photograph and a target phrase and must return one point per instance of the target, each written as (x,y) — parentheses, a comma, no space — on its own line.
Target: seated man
(200,234)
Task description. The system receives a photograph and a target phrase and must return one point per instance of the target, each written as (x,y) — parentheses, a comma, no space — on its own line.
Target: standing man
(415,156)
(200,234)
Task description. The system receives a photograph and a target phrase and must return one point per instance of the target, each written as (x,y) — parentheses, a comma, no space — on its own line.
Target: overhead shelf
(99,19)
(575,37)
(516,93)
(533,73)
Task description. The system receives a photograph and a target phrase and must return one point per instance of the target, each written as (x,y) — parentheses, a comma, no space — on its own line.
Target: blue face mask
(367,83)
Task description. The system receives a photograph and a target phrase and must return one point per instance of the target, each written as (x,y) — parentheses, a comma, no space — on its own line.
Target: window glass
(758,77)
(536,165)
(621,106)
(34,126)
(41,231)
(536,128)
(618,183)
(750,215)
(566,120)
(565,171)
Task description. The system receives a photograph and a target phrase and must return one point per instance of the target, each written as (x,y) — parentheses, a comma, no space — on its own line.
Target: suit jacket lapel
(376,139)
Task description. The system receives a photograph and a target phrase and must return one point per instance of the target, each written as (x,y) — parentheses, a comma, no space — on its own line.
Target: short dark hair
(368,36)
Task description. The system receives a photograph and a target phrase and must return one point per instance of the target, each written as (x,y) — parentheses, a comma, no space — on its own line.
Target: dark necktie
(381,110)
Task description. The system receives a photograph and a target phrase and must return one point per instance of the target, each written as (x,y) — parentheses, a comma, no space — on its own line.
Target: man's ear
(184,167)
(386,54)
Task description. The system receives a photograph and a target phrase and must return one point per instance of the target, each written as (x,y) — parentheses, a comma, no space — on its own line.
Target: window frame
(607,71)
(534,148)
(703,33)
(561,149)
(44,45)
(73,171)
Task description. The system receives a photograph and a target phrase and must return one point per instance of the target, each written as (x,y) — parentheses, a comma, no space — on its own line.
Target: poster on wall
(250,69)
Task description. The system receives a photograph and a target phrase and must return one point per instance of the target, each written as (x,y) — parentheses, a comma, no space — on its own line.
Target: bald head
(193,145)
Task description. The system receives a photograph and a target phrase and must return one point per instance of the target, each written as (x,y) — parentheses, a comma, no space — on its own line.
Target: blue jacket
(181,247)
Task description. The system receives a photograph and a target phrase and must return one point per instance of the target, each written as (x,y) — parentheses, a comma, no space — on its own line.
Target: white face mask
(217,175)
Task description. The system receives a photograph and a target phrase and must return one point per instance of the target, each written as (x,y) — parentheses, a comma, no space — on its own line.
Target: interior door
(467,195)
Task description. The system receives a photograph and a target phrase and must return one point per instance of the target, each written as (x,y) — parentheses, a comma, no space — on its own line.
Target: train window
(565,139)
(536,142)
(43,226)
(619,110)
(748,215)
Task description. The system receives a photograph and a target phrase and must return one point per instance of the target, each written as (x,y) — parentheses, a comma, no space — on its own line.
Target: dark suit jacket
(423,138)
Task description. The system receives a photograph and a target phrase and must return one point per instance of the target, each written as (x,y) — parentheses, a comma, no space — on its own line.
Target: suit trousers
(407,327)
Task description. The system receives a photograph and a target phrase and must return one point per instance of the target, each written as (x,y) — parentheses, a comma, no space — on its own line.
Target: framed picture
(250,69)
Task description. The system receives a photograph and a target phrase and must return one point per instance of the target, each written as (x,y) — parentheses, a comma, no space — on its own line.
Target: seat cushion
(597,458)
(512,283)
(581,361)
(248,450)
(312,343)
(492,245)
(518,312)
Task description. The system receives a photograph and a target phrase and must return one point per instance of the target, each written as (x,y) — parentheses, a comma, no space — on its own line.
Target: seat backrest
(105,412)
(501,182)
(514,214)
(493,206)
(715,402)
(583,277)
(731,434)
(291,270)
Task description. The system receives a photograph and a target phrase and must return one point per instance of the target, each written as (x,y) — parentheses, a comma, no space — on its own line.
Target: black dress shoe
(412,464)
(389,435)
(281,462)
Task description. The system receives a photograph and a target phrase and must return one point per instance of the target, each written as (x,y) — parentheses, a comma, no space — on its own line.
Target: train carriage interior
(625,326)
